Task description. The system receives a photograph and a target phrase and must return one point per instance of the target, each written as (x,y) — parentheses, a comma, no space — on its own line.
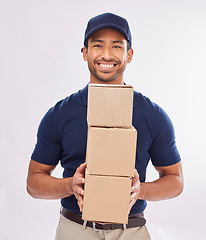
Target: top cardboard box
(110,105)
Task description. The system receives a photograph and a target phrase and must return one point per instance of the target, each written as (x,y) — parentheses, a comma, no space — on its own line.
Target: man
(62,136)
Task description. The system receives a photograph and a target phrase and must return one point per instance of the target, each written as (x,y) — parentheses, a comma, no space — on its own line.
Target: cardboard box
(111,151)
(106,199)
(110,105)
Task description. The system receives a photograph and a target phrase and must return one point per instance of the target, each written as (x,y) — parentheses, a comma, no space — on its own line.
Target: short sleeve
(163,150)
(48,147)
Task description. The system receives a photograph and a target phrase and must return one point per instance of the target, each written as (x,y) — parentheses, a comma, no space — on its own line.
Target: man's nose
(107,53)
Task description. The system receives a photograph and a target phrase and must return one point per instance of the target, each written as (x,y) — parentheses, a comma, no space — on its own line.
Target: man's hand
(135,189)
(77,184)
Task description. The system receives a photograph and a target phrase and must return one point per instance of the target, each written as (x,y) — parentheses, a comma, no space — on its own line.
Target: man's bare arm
(169,185)
(40,183)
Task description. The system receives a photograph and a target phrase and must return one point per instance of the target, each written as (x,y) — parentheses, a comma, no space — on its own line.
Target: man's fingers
(80,206)
(82,167)
(78,197)
(131,203)
(133,196)
(79,201)
(78,181)
(136,176)
(134,189)
(78,190)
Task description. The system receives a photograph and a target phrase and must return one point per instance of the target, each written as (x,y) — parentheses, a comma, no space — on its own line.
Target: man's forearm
(166,187)
(44,186)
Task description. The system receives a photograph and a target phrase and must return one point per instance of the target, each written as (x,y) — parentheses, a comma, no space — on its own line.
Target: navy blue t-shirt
(62,136)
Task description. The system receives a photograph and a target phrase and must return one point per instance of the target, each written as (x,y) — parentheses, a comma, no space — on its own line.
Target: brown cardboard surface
(106,199)
(111,151)
(110,105)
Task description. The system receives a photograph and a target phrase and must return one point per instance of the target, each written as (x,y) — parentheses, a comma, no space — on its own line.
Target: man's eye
(117,46)
(97,46)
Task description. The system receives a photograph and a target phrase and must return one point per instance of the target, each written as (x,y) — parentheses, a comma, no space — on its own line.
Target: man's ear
(130,55)
(85,53)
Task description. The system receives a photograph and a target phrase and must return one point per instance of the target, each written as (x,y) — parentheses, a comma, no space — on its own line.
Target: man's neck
(114,82)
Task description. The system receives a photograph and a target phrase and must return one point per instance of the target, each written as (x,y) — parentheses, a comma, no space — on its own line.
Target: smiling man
(62,136)
(107,56)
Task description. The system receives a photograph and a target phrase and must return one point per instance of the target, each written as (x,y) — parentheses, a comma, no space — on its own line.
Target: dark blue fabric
(108,20)
(62,136)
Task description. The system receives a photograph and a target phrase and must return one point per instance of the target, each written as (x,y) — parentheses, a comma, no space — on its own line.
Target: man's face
(107,56)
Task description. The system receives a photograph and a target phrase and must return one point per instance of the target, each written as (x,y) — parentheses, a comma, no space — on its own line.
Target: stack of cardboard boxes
(110,156)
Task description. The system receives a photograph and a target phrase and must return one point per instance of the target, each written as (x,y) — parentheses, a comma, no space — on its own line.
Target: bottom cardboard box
(106,199)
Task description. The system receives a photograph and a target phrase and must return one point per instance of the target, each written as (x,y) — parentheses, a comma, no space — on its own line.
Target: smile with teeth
(107,66)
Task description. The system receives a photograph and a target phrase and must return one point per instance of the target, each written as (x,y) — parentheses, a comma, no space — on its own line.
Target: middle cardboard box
(111,151)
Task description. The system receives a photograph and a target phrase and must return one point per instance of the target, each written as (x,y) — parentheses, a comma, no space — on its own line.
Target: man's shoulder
(67,102)
(143,103)
(73,101)
(151,112)
(67,108)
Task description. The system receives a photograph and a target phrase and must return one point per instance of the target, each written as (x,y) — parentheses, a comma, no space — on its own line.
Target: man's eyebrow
(118,42)
(101,41)
(96,40)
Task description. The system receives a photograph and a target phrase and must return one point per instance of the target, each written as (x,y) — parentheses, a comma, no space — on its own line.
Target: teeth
(106,65)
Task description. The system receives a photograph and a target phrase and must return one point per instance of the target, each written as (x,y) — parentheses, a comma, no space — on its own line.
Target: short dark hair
(128,45)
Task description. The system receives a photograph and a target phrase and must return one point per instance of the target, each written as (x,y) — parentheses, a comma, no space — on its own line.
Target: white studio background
(41,63)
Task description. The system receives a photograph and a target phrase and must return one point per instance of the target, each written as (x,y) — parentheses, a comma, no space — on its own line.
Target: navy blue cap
(108,20)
